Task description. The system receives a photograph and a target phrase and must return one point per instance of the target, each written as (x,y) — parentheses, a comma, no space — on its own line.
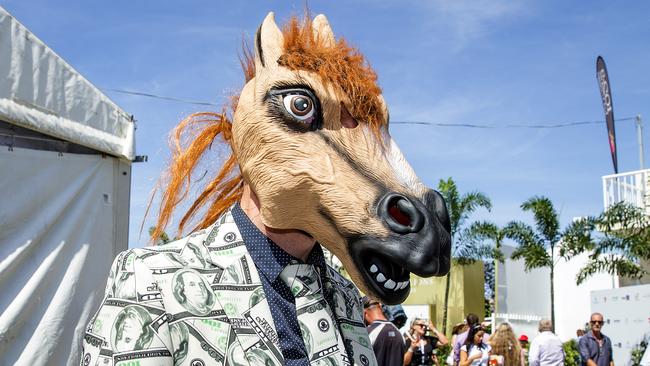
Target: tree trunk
(446,306)
(552,291)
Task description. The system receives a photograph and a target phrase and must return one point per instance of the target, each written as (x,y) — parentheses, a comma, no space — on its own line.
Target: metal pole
(496,289)
(639,135)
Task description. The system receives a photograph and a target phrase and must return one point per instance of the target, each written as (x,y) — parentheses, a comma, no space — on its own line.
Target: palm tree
(162,239)
(617,241)
(534,245)
(464,249)
(490,239)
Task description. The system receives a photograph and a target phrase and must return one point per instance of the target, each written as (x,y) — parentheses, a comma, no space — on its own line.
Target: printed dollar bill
(149,357)
(260,320)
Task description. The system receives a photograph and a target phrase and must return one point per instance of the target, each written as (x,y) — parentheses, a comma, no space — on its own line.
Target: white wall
(524,297)
(572,302)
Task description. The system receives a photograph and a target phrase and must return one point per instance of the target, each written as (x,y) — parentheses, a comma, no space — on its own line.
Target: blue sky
(480,62)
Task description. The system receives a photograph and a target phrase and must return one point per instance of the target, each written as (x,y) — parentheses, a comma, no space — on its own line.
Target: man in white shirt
(546,348)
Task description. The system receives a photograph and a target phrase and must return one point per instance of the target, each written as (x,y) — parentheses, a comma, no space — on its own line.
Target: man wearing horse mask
(312,164)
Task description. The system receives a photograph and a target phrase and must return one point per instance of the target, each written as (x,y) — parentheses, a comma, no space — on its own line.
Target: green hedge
(571,353)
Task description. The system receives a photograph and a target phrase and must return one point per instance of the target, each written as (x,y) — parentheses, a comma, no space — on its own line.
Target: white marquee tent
(65,174)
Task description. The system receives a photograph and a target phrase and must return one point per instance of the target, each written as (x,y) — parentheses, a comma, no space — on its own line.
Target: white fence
(631,187)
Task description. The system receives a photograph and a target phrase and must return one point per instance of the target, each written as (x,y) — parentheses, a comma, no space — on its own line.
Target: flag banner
(606,95)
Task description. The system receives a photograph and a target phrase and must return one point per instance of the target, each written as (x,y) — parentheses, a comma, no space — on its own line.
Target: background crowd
(474,343)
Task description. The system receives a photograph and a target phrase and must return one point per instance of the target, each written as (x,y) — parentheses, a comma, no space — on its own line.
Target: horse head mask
(310,137)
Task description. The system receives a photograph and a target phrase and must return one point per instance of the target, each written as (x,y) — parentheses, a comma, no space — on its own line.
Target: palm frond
(521,233)
(470,202)
(546,217)
(484,230)
(612,265)
(577,238)
(531,247)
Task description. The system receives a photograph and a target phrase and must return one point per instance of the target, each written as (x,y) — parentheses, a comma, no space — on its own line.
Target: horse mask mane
(310,136)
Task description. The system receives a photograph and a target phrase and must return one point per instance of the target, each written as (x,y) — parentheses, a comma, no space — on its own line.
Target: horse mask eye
(300,105)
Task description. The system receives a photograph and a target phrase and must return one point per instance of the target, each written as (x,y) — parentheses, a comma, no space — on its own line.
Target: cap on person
(523,338)
(368,302)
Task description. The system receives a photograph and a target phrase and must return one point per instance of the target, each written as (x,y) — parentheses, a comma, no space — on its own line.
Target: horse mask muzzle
(419,242)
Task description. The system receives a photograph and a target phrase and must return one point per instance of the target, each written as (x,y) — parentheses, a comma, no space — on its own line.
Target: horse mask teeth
(331,182)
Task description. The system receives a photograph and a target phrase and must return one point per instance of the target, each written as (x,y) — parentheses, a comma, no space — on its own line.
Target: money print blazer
(199,301)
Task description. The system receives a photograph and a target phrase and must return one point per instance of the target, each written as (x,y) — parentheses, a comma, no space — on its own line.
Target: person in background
(455,331)
(579,334)
(384,336)
(595,347)
(546,349)
(422,340)
(523,343)
(395,314)
(504,343)
(475,351)
(471,320)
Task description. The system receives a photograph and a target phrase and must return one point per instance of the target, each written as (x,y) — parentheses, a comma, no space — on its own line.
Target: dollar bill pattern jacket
(199,301)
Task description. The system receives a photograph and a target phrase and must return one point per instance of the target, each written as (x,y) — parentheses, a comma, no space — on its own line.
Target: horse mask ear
(323,31)
(269,43)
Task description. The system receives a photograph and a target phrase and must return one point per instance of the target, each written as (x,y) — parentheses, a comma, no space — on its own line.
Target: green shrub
(638,351)
(443,352)
(571,353)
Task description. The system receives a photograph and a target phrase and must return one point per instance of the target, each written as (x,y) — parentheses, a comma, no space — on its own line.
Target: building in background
(427,296)
(523,298)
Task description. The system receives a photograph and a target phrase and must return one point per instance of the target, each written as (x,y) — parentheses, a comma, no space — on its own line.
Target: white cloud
(465,21)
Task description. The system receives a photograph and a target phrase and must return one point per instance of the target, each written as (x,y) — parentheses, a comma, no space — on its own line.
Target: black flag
(606,95)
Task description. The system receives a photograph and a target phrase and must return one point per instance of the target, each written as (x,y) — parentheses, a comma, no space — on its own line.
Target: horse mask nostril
(400,214)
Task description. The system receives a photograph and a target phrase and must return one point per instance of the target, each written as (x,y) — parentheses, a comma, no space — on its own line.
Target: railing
(631,187)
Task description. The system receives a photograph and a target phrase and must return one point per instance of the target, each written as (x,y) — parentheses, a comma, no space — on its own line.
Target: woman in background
(455,331)
(503,343)
(475,352)
(420,346)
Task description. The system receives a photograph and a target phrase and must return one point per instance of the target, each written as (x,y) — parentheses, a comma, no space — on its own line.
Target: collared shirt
(387,342)
(546,349)
(270,260)
(591,349)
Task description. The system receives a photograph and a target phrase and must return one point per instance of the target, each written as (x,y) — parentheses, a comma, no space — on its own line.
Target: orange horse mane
(340,65)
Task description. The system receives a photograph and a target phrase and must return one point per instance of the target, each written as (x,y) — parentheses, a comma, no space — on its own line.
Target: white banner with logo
(626,312)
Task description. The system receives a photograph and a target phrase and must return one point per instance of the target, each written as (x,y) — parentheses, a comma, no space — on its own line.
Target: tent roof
(42,92)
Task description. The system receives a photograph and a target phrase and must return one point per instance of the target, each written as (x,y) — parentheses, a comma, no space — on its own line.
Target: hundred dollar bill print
(199,301)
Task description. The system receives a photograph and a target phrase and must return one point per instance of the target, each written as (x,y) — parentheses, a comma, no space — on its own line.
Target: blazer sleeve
(129,326)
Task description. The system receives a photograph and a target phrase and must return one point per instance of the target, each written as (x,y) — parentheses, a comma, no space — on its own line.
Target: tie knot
(302,279)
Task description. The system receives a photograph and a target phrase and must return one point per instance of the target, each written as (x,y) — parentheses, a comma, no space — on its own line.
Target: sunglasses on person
(421,325)
(600,322)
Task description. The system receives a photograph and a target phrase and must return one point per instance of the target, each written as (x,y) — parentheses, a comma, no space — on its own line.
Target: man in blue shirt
(595,347)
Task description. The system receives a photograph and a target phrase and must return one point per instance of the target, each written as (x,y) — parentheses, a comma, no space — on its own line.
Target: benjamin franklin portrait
(131,331)
(193,292)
